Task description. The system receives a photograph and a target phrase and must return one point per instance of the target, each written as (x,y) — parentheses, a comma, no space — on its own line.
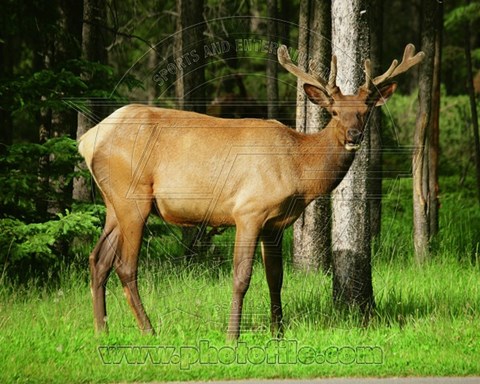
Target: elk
(257,175)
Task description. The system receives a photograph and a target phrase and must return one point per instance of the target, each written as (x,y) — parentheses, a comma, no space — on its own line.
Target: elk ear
(317,95)
(383,93)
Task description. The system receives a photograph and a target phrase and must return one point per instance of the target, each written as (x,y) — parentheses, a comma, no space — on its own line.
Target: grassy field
(426,320)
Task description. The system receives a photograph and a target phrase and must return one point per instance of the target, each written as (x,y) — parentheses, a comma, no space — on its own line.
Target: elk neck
(323,163)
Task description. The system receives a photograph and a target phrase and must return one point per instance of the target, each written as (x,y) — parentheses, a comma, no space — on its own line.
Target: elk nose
(354,134)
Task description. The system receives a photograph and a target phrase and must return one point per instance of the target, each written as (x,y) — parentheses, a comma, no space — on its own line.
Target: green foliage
(36,222)
(50,88)
(459,235)
(460,19)
(20,241)
(456,143)
(32,175)
(462,15)
(43,89)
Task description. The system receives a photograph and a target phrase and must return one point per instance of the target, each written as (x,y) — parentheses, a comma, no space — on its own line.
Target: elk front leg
(245,242)
(271,241)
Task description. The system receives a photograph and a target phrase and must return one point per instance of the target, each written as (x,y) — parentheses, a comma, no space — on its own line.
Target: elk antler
(316,80)
(409,60)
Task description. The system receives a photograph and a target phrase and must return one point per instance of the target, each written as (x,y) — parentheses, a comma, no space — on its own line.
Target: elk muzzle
(353,139)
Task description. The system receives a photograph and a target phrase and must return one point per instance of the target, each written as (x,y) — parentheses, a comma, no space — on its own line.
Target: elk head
(349,112)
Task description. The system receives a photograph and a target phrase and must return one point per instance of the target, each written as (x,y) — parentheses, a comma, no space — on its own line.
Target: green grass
(426,321)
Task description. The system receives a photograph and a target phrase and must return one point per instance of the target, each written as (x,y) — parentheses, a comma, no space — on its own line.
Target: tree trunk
(376,34)
(434,140)
(272,65)
(67,47)
(190,83)
(312,234)
(473,104)
(190,89)
(153,62)
(93,49)
(424,183)
(286,11)
(352,273)
(6,69)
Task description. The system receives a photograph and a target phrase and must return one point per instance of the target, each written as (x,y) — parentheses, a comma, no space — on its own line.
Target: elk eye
(334,113)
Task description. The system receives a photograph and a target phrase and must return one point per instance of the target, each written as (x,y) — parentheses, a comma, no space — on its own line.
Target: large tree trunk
(67,47)
(272,65)
(312,230)
(190,83)
(93,49)
(473,104)
(56,122)
(190,90)
(434,141)
(376,34)
(424,139)
(352,273)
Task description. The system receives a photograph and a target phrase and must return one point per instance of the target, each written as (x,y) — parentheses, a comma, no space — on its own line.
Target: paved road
(394,380)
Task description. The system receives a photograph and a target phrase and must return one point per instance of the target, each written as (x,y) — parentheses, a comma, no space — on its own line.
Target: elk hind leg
(101,261)
(126,266)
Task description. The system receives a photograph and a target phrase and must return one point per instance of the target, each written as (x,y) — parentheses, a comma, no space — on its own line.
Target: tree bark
(375,201)
(67,47)
(352,273)
(473,105)
(153,61)
(434,142)
(312,230)
(190,83)
(272,65)
(426,147)
(54,121)
(190,89)
(93,49)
